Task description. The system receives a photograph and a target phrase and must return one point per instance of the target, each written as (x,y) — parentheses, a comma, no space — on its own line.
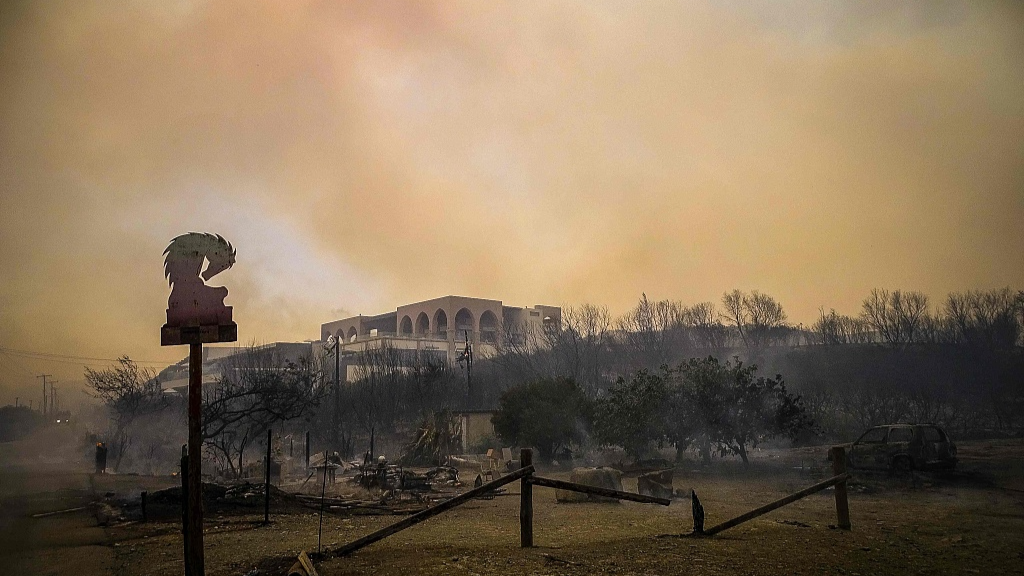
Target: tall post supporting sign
(196,314)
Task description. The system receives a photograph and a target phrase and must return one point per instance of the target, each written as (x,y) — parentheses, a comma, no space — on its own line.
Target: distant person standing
(101,458)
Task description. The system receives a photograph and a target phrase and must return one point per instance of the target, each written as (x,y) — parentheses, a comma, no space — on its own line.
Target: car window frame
(940,434)
(885,435)
(888,437)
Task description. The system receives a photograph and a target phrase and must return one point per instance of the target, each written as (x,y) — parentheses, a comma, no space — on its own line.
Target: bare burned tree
(898,317)
(652,333)
(375,395)
(736,313)
(129,392)
(431,386)
(256,390)
(704,323)
(833,329)
(580,348)
(993,319)
(757,318)
(521,350)
(583,345)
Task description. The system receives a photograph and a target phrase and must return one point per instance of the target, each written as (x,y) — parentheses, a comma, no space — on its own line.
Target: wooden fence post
(323,494)
(842,505)
(266,480)
(526,501)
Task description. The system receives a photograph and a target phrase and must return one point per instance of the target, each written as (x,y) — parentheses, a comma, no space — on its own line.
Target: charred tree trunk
(705,451)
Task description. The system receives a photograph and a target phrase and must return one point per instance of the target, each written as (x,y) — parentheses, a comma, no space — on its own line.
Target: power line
(68,357)
(10,360)
(60,360)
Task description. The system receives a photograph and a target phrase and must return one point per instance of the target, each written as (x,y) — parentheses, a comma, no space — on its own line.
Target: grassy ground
(969,524)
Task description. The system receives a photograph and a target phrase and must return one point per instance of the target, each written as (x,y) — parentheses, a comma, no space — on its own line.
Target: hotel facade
(436,329)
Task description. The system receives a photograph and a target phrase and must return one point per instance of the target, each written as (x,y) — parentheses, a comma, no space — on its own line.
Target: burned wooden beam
(303,566)
(698,512)
(64,511)
(426,514)
(776,504)
(563,485)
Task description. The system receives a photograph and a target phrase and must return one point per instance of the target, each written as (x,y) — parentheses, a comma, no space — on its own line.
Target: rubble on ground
(602,477)
(657,484)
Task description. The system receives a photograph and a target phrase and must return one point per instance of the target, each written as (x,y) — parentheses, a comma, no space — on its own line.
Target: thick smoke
(365,154)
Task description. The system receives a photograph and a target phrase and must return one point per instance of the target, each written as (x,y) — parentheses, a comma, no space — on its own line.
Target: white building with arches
(438,328)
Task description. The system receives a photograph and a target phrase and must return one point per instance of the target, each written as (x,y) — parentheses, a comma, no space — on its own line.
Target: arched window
(422,324)
(406,326)
(488,327)
(441,324)
(463,324)
(352,334)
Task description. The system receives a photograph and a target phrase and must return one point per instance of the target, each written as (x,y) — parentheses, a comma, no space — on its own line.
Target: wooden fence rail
(839,481)
(525,474)
(776,504)
(426,514)
(563,485)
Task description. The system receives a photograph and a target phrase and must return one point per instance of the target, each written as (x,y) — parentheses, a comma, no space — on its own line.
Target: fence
(526,475)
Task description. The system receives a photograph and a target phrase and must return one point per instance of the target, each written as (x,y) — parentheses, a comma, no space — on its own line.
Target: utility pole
(44,377)
(333,346)
(337,363)
(337,395)
(467,355)
(53,397)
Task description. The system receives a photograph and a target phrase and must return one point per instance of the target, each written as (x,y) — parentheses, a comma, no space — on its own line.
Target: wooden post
(266,479)
(323,494)
(195,461)
(526,501)
(183,473)
(698,512)
(842,504)
(143,502)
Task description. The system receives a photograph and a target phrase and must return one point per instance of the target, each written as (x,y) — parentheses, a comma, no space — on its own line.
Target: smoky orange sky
(367,154)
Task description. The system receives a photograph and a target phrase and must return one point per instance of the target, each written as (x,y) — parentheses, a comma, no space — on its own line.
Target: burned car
(902,448)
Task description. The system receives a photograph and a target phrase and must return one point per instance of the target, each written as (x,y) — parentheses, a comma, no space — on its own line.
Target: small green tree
(728,405)
(696,405)
(548,414)
(633,414)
